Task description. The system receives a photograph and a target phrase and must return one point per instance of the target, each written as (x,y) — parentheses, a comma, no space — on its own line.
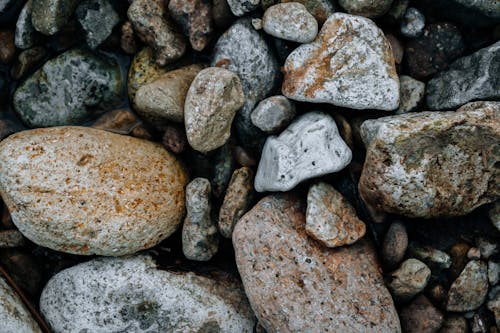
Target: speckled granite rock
(296,285)
(273,113)
(412,94)
(368,8)
(349,64)
(241,7)
(49,16)
(422,164)
(320,9)
(72,189)
(69,89)
(409,279)
(290,21)
(98,18)
(132,295)
(469,290)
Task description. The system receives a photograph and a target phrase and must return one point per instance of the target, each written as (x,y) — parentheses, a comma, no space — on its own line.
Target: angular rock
(211,104)
(368,8)
(132,295)
(422,164)
(273,114)
(290,21)
(155,29)
(409,280)
(349,64)
(98,18)
(310,147)
(87,191)
(11,238)
(454,324)
(69,90)
(320,9)
(420,316)
(330,218)
(241,7)
(412,94)
(494,214)
(122,121)
(296,285)
(395,244)
(475,77)
(49,16)
(413,23)
(26,36)
(469,290)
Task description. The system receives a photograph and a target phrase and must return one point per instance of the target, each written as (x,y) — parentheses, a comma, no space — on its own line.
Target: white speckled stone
(310,147)
(290,21)
(132,295)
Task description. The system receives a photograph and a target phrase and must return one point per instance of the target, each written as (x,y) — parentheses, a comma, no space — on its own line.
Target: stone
(368,8)
(156,30)
(273,114)
(320,9)
(211,104)
(26,36)
(133,295)
(409,280)
(394,244)
(223,165)
(296,285)
(349,64)
(330,218)
(487,247)
(397,49)
(310,147)
(122,121)
(494,306)
(494,215)
(7,46)
(494,272)
(411,94)
(14,316)
(290,21)
(222,15)
(422,164)
(482,14)
(75,190)
(243,157)
(162,100)
(237,201)
(241,7)
(458,254)
(433,257)
(475,77)
(11,238)
(27,60)
(474,253)
(174,139)
(128,41)
(98,18)
(69,89)
(195,18)
(434,50)
(413,23)
(50,16)
(420,316)
(454,324)
(469,290)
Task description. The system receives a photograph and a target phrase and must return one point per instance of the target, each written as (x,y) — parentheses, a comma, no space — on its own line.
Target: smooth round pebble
(290,21)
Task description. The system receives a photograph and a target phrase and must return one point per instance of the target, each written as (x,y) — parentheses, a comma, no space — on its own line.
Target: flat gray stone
(49,16)
(273,114)
(290,21)
(98,18)
(469,290)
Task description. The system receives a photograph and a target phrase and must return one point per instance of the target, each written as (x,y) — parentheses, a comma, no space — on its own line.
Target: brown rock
(397,48)
(420,316)
(127,39)
(394,245)
(174,139)
(458,255)
(320,9)
(122,121)
(7,46)
(27,61)
(195,18)
(295,285)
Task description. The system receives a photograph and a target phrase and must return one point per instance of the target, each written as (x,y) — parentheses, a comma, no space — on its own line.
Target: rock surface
(273,114)
(349,64)
(241,7)
(290,21)
(420,316)
(412,94)
(469,290)
(132,295)
(195,18)
(26,35)
(11,238)
(409,279)
(296,285)
(421,164)
(310,147)
(49,16)
(494,215)
(413,23)
(73,189)
(454,324)
(98,18)
(368,8)
(395,244)
(320,9)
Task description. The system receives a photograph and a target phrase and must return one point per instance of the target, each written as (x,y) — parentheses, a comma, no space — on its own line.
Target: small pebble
(409,280)
(174,139)
(411,94)
(7,46)
(11,238)
(431,256)
(454,324)
(413,23)
(320,9)
(420,316)
(128,41)
(273,114)
(474,253)
(26,36)
(98,18)
(290,21)
(469,290)
(241,7)
(122,121)
(50,16)
(395,244)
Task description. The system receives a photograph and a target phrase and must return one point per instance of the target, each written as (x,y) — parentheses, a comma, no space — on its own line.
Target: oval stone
(87,191)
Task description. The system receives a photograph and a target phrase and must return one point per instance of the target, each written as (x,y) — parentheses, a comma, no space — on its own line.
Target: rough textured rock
(290,21)
(409,280)
(7,46)
(237,200)
(454,324)
(422,164)
(395,244)
(122,121)
(412,94)
(155,29)
(413,23)
(320,9)
(162,100)
(296,285)
(470,78)
(14,316)
(211,104)
(330,218)
(273,114)
(69,89)
(241,7)
(310,147)
(26,35)
(132,295)
(368,8)
(98,18)
(11,238)
(73,189)
(420,316)
(469,290)
(49,16)
(195,18)
(494,215)
(349,64)
(27,60)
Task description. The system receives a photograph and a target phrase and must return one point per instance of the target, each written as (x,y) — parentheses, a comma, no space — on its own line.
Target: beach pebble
(26,36)
(409,280)
(469,290)
(394,244)
(273,114)
(290,21)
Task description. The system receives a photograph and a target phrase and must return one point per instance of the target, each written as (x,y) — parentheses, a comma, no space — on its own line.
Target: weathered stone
(310,147)
(7,46)
(11,238)
(195,18)
(211,104)
(330,218)
(27,60)
(122,121)
(413,23)
(409,280)
(422,164)
(26,36)
(470,78)
(420,316)
(174,139)
(128,41)
(454,324)
(162,100)
(69,89)
(494,214)
(49,16)
(73,189)
(241,7)
(469,290)
(349,64)
(98,18)
(237,200)
(296,285)
(132,295)
(155,29)
(395,244)
(273,114)
(433,257)
(368,8)
(290,21)
(411,94)
(320,9)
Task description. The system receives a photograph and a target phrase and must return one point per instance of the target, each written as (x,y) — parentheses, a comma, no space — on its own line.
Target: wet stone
(98,18)
(394,244)
(290,21)
(50,16)
(368,8)
(413,23)
(273,114)
(420,316)
(409,279)
(412,94)
(469,290)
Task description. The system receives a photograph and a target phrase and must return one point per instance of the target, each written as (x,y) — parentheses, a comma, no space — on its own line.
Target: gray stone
(469,290)
(133,295)
(49,16)
(11,238)
(290,21)
(395,244)
(494,214)
(413,23)
(273,114)
(320,9)
(310,147)
(241,7)
(454,324)
(200,239)
(368,8)
(27,60)
(487,247)
(98,18)
(494,306)
(420,316)
(493,272)
(26,35)
(475,77)
(223,165)
(431,256)
(69,89)
(411,94)
(409,280)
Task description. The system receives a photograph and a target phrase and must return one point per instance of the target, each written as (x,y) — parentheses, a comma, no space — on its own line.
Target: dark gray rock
(469,290)
(413,23)
(98,18)
(49,16)
(469,12)
(26,35)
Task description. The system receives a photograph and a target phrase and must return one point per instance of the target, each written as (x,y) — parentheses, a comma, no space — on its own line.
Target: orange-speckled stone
(87,191)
